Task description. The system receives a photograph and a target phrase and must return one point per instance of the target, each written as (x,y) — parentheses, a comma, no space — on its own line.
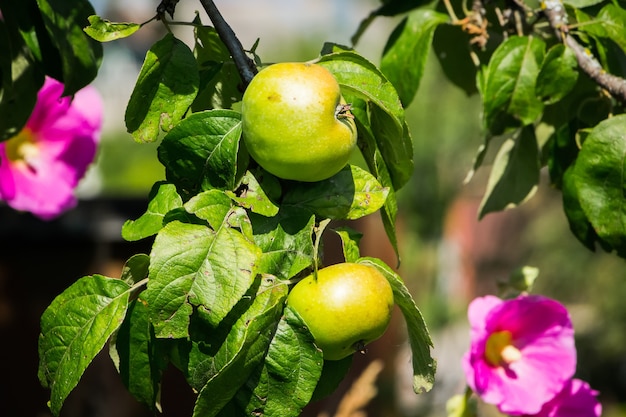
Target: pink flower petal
(541,330)
(577,399)
(65,134)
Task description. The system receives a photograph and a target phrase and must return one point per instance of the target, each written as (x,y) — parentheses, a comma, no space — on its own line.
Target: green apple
(348,306)
(295,122)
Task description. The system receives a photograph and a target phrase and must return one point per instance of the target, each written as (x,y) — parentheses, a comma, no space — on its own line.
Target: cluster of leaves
(41,38)
(541,108)
(229,241)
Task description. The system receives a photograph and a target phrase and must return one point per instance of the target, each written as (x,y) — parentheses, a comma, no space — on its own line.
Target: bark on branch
(245,66)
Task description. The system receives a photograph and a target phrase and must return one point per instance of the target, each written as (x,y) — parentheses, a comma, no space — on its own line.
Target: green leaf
(579,4)
(21,80)
(612,18)
(241,352)
(194,266)
(293,366)
(361,80)
(252,195)
(139,358)
(599,175)
(166,86)
(350,239)
(350,194)
(163,198)
(75,328)
(201,151)
(515,173)
(135,269)
(104,30)
(509,83)
(451,47)
(424,366)
(286,241)
(80,55)
(378,167)
(404,57)
(558,74)
(578,222)
(219,78)
(210,205)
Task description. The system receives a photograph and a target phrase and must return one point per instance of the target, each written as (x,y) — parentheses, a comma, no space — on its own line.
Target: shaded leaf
(350,239)
(515,173)
(139,358)
(361,80)
(452,49)
(104,30)
(424,366)
(135,269)
(163,198)
(286,241)
(219,77)
(166,86)
(350,194)
(599,181)
(404,56)
(21,80)
(75,328)
(80,55)
(558,74)
(242,351)
(378,168)
(293,366)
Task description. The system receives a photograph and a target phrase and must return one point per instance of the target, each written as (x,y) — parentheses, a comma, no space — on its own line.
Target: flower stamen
(499,351)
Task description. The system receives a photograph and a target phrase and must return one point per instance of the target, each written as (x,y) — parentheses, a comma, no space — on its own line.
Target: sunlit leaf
(509,83)
(201,152)
(350,194)
(193,266)
(163,198)
(104,30)
(75,328)
(424,366)
(404,57)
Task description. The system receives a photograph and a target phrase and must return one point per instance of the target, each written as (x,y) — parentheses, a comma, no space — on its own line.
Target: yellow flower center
(499,350)
(23,149)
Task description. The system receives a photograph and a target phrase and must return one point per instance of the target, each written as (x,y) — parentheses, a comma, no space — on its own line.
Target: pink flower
(41,166)
(576,399)
(522,352)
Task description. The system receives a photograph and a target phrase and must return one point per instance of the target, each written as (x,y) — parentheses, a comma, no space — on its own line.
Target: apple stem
(245,66)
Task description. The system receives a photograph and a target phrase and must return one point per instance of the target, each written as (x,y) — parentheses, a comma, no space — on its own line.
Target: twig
(557,17)
(244,64)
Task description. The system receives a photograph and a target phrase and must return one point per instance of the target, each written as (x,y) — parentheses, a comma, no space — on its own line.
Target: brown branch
(557,17)
(246,67)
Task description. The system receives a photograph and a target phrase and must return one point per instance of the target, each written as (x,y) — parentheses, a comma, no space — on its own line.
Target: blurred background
(448,257)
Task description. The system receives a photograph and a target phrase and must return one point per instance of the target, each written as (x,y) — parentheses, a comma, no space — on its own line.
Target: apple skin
(347,307)
(290,122)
